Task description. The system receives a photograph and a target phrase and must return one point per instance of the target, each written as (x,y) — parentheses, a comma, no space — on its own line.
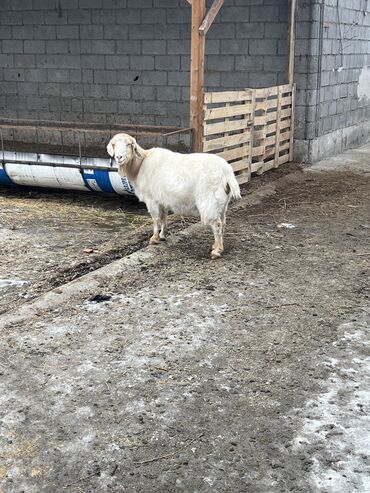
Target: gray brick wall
(333,48)
(128,61)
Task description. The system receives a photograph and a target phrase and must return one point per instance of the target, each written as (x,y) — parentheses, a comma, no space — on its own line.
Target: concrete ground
(163,371)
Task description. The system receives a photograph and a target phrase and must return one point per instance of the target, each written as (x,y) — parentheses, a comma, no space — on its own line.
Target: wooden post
(198,9)
(293,8)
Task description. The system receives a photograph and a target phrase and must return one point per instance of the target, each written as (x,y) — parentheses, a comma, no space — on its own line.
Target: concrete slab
(355,160)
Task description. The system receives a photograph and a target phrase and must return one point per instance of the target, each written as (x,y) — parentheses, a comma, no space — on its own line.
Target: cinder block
(28,89)
(21,4)
(141,93)
(105,106)
(170,93)
(80,16)
(141,62)
(250,30)
(31,18)
(50,89)
(105,76)
(263,47)
(140,4)
(12,46)
(129,47)
(44,32)
(21,32)
(90,4)
(170,62)
(56,17)
(103,46)
(58,46)
(116,32)
(91,32)
(170,32)
(157,78)
(234,46)
(6,32)
(119,92)
(154,47)
(107,17)
(220,63)
(67,32)
(93,61)
(264,14)
(71,90)
(178,78)
(25,61)
(11,74)
(141,32)
(156,16)
(128,16)
(235,14)
(249,63)
(178,47)
(114,62)
(57,75)
(34,47)
(6,60)
(11,19)
(95,90)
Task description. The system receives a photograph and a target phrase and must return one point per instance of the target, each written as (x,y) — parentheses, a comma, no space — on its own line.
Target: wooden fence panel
(252,129)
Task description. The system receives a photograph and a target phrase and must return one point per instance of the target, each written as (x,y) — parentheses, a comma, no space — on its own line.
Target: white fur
(186,184)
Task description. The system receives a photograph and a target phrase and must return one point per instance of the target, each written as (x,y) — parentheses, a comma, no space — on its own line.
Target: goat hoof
(215,255)
(154,241)
(163,238)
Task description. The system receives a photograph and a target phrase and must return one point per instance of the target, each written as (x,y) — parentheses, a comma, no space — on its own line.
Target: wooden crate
(252,129)
(227,129)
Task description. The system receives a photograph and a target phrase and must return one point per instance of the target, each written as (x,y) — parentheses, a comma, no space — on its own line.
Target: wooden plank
(240,165)
(253,112)
(227,111)
(271,129)
(291,149)
(258,151)
(227,97)
(266,167)
(291,43)
(272,103)
(271,117)
(266,92)
(284,159)
(256,166)
(243,178)
(210,17)
(219,128)
(226,141)
(198,9)
(231,154)
(278,123)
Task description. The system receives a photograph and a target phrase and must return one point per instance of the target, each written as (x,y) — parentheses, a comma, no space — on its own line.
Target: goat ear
(110,149)
(138,151)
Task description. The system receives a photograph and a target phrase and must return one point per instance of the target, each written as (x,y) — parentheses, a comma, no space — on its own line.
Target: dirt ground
(164,371)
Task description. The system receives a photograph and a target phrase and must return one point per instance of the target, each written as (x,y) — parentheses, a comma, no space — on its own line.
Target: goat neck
(133,166)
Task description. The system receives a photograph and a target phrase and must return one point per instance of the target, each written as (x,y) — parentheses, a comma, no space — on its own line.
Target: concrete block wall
(128,61)
(333,77)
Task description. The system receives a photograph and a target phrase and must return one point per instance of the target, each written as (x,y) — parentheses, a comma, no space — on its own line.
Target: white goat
(186,184)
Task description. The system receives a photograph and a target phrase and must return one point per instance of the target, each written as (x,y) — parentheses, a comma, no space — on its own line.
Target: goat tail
(232,186)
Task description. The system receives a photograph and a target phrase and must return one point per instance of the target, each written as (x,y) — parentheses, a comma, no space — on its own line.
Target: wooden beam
(198,8)
(292,33)
(210,17)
